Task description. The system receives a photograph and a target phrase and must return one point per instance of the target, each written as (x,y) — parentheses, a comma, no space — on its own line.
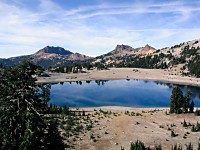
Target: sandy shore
(152,126)
(118,129)
(164,75)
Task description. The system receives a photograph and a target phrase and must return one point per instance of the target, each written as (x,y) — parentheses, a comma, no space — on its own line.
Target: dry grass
(121,127)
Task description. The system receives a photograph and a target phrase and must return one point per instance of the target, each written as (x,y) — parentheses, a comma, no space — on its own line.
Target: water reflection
(135,93)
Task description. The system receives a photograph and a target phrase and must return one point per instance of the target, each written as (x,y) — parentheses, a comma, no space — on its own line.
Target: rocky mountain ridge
(185,56)
(121,56)
(48,56)
(121,50)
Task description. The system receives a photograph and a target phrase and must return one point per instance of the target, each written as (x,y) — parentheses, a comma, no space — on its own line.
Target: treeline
(156,61)
(54,109)
(78,67)
(194,66)
(194,62)
(150,62)
(160,61)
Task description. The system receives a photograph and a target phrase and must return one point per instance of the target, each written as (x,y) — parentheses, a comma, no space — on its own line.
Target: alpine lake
(129,93)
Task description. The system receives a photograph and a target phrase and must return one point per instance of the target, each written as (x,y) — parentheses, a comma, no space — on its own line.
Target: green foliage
(197,112)
(186,101)
(173,134)
(138,145)
(89,126)
(176,100)
(184,123)
(158,147)
(189,146)
(22,103)
(1,65)
(53,138)
(192,107)
(54,109)
(177,147)
(178,103)
(137,61)
(196,128)
(194,63)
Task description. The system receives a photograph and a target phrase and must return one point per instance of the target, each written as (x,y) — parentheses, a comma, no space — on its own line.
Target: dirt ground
(172,75)
(118,128)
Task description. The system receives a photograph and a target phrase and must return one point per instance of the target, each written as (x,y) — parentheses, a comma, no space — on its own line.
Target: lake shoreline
(159,75)
(119,108)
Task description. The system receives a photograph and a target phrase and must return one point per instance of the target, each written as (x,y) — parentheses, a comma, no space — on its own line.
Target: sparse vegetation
(197,112)
(24,108)
(177,147)
(138,145)
(196,128)
(173,134)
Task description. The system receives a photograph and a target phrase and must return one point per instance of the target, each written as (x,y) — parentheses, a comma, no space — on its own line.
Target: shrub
(197,112)
(138,145)
(185,123)
(189,146)
(177,147)
(173,134)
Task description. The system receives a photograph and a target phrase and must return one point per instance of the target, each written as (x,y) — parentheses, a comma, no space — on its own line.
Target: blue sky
(94,27)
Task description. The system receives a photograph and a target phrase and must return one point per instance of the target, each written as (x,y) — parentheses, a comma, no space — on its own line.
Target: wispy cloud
(95,29)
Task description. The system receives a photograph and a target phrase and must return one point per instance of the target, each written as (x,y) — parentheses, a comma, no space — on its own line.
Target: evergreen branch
(31,106)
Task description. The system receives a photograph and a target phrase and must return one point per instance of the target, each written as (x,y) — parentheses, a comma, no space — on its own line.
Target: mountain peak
(54,50)
(119,49)
(122,47)
(147,46)
(147,49)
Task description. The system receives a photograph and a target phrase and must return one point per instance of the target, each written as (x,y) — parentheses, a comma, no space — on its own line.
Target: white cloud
(93,30)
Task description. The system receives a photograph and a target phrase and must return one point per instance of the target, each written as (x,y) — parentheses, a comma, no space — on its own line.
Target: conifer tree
(54,141)
(186,102)
(178,103)
(192,107)
(176,100)
(21,106)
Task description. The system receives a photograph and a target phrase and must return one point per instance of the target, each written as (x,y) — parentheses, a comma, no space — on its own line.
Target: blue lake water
(132,93)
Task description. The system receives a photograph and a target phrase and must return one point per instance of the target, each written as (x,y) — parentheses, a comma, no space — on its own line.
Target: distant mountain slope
(13,60)
(186,55)
(53,50)
(48,56)
(122,50)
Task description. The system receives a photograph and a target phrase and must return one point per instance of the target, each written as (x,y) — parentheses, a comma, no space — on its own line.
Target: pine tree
(21,106)
(192,107)
(54,141)
(177,147)
(186,102)
(189,146)
(138,145)
(184,123)
(18,101)
(176,100)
